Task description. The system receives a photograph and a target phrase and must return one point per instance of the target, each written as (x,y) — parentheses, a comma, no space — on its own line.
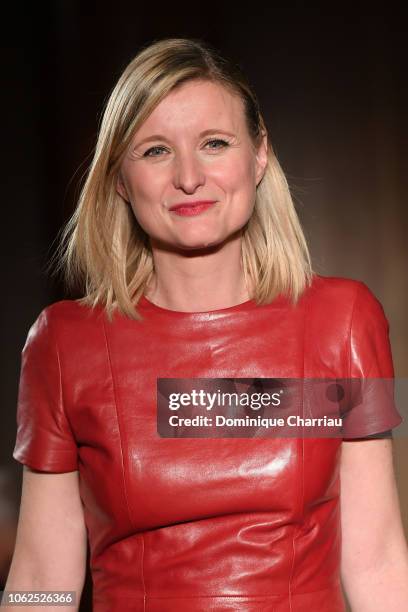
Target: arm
(50,550)
(374,565)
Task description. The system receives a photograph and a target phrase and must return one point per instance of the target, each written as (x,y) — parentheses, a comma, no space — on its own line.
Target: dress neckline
(145,303)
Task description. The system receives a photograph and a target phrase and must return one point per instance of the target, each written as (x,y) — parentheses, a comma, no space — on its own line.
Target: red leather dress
(200,524)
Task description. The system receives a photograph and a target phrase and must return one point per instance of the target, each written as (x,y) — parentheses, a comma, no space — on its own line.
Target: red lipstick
(190,209)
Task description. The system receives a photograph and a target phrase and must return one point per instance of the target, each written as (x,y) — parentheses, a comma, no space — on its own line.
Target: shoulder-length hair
(103,248)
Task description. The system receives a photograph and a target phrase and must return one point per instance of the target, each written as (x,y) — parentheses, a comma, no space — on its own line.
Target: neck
(198,279)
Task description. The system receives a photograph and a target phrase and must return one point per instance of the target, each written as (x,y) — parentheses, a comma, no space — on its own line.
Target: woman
(187,239)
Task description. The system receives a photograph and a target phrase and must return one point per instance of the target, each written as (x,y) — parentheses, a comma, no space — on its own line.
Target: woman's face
(193,147)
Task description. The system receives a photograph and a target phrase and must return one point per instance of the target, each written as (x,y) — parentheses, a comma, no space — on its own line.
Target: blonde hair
(103,247)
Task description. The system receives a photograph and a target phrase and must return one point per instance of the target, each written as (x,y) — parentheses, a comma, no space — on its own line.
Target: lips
(191,204)
(191,209)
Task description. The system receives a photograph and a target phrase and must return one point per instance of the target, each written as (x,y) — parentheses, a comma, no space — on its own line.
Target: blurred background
(332,89)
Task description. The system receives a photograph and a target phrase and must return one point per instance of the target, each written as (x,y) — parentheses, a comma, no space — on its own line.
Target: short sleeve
(44,438)
(373,410)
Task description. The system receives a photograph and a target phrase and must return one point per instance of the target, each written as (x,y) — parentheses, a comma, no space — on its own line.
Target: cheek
(238,175)
(142,185)
(145,191)
(243,192)
(147,215)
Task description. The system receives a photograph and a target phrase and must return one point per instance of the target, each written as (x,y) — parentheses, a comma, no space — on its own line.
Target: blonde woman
(194,266)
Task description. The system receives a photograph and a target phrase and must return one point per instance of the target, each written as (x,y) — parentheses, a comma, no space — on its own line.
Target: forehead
(195,106)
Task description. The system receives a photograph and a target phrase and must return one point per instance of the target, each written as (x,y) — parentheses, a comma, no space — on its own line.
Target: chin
(199,245)
(195,241)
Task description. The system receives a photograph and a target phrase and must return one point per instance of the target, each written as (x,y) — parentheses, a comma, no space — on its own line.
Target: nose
(188,173)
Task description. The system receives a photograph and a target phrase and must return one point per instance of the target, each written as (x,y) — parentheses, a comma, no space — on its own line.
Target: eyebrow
(204,133)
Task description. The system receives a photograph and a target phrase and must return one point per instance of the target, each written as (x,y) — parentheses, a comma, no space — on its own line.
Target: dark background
(332,89)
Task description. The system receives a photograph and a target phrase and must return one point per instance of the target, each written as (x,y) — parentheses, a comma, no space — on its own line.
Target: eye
(218,140)
(146,154)
(224,143)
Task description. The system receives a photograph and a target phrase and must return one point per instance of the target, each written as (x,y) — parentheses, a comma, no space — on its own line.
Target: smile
(190,210)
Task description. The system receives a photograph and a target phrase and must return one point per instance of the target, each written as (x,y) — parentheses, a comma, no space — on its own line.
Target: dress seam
(301,448)
(142,574)
(121,431)
(53,335)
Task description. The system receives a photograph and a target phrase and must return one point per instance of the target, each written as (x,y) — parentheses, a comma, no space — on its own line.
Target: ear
(261,158)
(121,189)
